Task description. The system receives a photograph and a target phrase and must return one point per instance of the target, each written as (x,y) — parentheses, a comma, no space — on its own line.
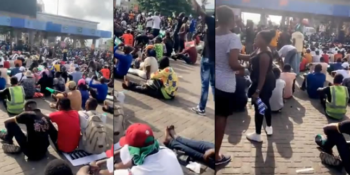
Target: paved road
(18,165)
(291,148)
(159,113)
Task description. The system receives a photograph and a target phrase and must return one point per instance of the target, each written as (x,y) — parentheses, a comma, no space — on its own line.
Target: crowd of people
(76,83)
(145,44)
(263,70)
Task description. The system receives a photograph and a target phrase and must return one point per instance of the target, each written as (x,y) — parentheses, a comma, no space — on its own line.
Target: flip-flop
(10,148)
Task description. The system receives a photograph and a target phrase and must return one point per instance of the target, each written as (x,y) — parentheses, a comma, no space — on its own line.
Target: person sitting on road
(73,95)
(45,81)
(59,166)
(106,73)
(84,92)
(15,70)
(200,151)
(123,62)
(334,98)
(20,75)
(164,82)
(76,75)
(67,137)
(289,77)
(335,66)
(35,143)
(58,82)
(146,156)
(313,81)
(29,85)
(101,91)
(13,97)
(90,110)
(334,137)
(2,80)
(322,63)
(189,54)
(147,67)
(344,72)
(276,100)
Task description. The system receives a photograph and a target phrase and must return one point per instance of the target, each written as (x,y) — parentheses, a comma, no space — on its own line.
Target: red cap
(136,136)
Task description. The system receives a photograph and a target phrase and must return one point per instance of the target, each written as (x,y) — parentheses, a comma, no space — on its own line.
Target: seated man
(189,54)
(90,110)
(334,137)
(145,154)
(344,72)
(322,63)
(28,85)
(34,144)
(13,97)
(157,88)
(334,98)
(73,95)
(101,89)
(147,67)
(313,81)
(335,66)
(67,136)
(123,62)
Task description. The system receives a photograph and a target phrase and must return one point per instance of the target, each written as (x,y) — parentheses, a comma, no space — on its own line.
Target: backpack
(95,135)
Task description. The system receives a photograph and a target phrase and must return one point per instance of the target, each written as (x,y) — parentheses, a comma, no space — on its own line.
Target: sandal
(10,148)
(330,160)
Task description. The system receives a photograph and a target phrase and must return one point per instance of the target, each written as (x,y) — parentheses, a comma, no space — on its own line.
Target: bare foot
(172,131)
(167,138)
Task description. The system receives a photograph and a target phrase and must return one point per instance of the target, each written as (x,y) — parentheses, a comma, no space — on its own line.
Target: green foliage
(166,7)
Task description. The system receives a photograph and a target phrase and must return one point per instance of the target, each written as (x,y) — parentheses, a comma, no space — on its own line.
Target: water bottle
(319,140)
(261,106)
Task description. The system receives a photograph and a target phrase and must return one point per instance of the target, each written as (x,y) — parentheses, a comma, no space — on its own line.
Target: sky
(93,10)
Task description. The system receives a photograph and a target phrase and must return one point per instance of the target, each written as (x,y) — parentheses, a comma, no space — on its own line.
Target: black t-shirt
(142,39)
(209,40)
(37,132)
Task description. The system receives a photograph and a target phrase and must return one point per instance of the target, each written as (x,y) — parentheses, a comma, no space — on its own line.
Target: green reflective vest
(337,107)
(16,105)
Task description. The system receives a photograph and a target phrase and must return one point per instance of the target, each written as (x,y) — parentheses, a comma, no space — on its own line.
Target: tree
(165,7)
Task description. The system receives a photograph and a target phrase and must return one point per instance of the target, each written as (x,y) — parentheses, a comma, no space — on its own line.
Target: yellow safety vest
(337,107)
(16,105)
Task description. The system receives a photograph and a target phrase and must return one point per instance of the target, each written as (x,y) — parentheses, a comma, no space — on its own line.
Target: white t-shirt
(162,163)
(149,22)
(156,22)
(299,40)
(316,58)
(151,61)
(224,44)
(20,76)
(285,49)
(345,65)
(276,100)
(345,73)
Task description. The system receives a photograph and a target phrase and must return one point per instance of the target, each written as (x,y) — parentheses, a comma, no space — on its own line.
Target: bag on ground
(95,136)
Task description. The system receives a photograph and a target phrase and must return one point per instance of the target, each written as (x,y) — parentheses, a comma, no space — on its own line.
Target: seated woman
(334,137)
(58,82)
(44,82)
(147,67)
(163,83)
(201,151)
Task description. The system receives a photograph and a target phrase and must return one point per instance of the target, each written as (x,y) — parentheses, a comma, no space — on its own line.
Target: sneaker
(198,111)
(254,137)
(268,130)
(224,160)
(330,160)
(10,148)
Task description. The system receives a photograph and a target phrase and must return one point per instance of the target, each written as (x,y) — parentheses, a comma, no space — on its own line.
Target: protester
(36,142)
(313,81)
(73,95)
(13,97)
(84,92)
(29,85)
(289,78)
(124,62)
(101,89)
(276,100)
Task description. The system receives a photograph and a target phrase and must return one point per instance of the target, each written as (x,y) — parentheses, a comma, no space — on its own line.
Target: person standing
(156,24)
(182,34)
(177,30)
(207,61)
(298,43)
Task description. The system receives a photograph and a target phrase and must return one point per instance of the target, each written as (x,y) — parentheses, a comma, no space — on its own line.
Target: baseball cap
(71,84)
(137,135)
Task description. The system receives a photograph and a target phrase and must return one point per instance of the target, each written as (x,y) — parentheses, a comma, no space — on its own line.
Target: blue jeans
(194,149)
(207,76)
(293,61)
